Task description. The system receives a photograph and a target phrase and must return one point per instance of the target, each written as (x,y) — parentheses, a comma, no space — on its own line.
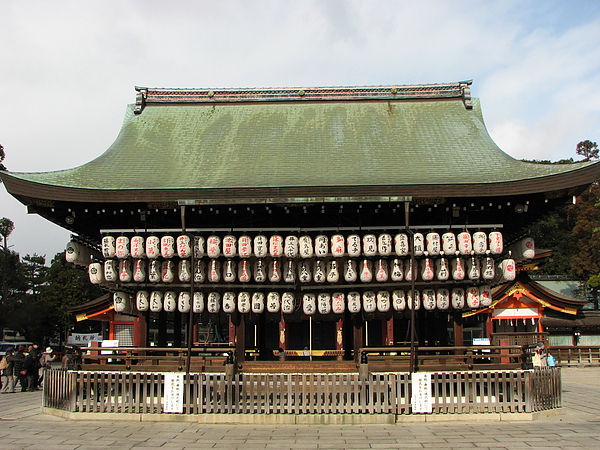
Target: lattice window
(124,334)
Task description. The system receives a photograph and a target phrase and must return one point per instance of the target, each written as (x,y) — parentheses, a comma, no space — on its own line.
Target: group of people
(21,368)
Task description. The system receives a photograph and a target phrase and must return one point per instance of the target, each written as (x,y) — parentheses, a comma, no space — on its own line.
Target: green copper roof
(279,144)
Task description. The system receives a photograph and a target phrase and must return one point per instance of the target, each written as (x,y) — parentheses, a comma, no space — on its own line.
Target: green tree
(2,156)
(11,282)
(587,149)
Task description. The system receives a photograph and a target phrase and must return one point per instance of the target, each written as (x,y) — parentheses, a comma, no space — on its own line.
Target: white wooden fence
(315,393)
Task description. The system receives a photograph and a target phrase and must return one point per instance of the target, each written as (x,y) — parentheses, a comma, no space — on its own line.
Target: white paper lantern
(319,271)
(138,247)
(304,275)
(354,302)
(473,268)
(496,243)
(258,303)
(409,271)
(245,246)
(108,246)
(418,244)
(244,271)
(198,305)
(276,246)
(321,246)
(96,273)
(442,269)
(338,303)
(200,272)
(383,301)
(184,246)
(401,246)
(183,302)
(485,295)
(427,269)
(369,244)
(458,269)
(110,270)
(353,245)
(288,303)
(167,247)
(275,270)
(229,246)
(442,298)
(433,243)
(244,303)
(369,302)
(305,247)
(458,298)
(168,271)
(184,272)
(508,270)
(366,271)
(289,271)
(350,272)
(155,271)
(152,247)
(413,301)
(260,271)
(398,300)
(384,244)
(381,271)
(429,299)
(139,271)
(397,271)
(309,304)
(213,246)
(229,301)
(142,300)
(489,269)
(465,243)
(480,242)
(449,243)
(214,271)
(170,301)
(338,245)
(122,247)
(156,301)
(199,247)
(473,297)
(290,248)
(333,274)
(273,302)
(213,302)
(261,246)
(125,271)
(324,303)
(121,302)
(229,271)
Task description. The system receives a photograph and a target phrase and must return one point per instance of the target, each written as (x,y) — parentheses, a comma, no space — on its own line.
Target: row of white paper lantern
(323,303)
(304,271)
(305,247)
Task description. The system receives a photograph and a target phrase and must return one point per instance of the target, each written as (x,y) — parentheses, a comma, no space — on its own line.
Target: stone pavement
(22,425)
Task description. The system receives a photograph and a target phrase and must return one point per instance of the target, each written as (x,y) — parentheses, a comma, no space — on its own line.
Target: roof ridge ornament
(147,95)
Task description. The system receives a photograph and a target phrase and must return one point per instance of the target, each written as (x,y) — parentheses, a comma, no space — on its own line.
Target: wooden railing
(443,358)
(315,393)
(576,356)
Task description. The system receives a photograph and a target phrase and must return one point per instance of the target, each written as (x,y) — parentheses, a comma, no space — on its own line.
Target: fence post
(528,390)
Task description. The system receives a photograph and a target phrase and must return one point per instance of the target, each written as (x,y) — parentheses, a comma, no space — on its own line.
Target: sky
(68,68)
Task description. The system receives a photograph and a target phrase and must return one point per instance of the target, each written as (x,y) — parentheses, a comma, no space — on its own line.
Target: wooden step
(299,367)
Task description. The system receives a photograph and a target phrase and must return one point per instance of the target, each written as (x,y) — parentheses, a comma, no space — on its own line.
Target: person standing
(46,360)
(8,379)
(19,370)
(32,364)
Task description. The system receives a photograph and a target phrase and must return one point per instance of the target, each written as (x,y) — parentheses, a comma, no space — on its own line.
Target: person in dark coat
(8,379)
(33,367)
(19,369)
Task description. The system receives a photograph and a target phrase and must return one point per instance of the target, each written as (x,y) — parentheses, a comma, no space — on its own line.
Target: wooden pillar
(387,332)
(140,331)
(489,327)
(339,339)
(232,331)
(283,338)
(358,336)
(240,341)
(458,329)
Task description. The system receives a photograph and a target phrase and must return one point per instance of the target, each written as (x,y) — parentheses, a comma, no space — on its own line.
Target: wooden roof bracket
(140,99)
(465,88)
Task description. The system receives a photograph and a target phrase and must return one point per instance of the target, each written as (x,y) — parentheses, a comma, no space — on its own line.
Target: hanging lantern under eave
(198,302)
(167,271)
(397,270)
(458,269)
(275,270)
(167,246)
(184,272)
(258,303)
(244,272)
(369,245)
(381,271)
(110,270)
(213,302)
(152,247)
(338,245)
(473,297)
(418,244)
(353,246)
(401,244)
(413,300)
(449,243)
(288,303)
(428,299)
(366,271)
(155,271)
(183,302)
(156,301)
(433,243)
(384,244)
(108,246)
(229,246)
(480,242)
(184,246)
(496,243)
(125,271)
(260,271)
(304,275)
(261,246)
(96,273)
(350,272)
(273,302)
(139,271)
(142,301)
(398,300)
(213,246)
(309,304)
(442,299)
(121,302)
(229,301)
(333,274)
(464,243)
(199,247)
(354,302)
(321,246)
(276,246)
(214,271)
(458,298)
(324,303)
(369,302)
(122,247)
(229,271)
(245,246)
(427,272)
(338,304)
(243,302)
(290,247)
(489,269)
(138,247)
(485,295)
(442,269)
(170,301)
(305,247)
(383,301)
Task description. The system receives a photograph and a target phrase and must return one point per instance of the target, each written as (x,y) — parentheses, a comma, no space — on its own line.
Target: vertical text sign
(421,393)
(173,392)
